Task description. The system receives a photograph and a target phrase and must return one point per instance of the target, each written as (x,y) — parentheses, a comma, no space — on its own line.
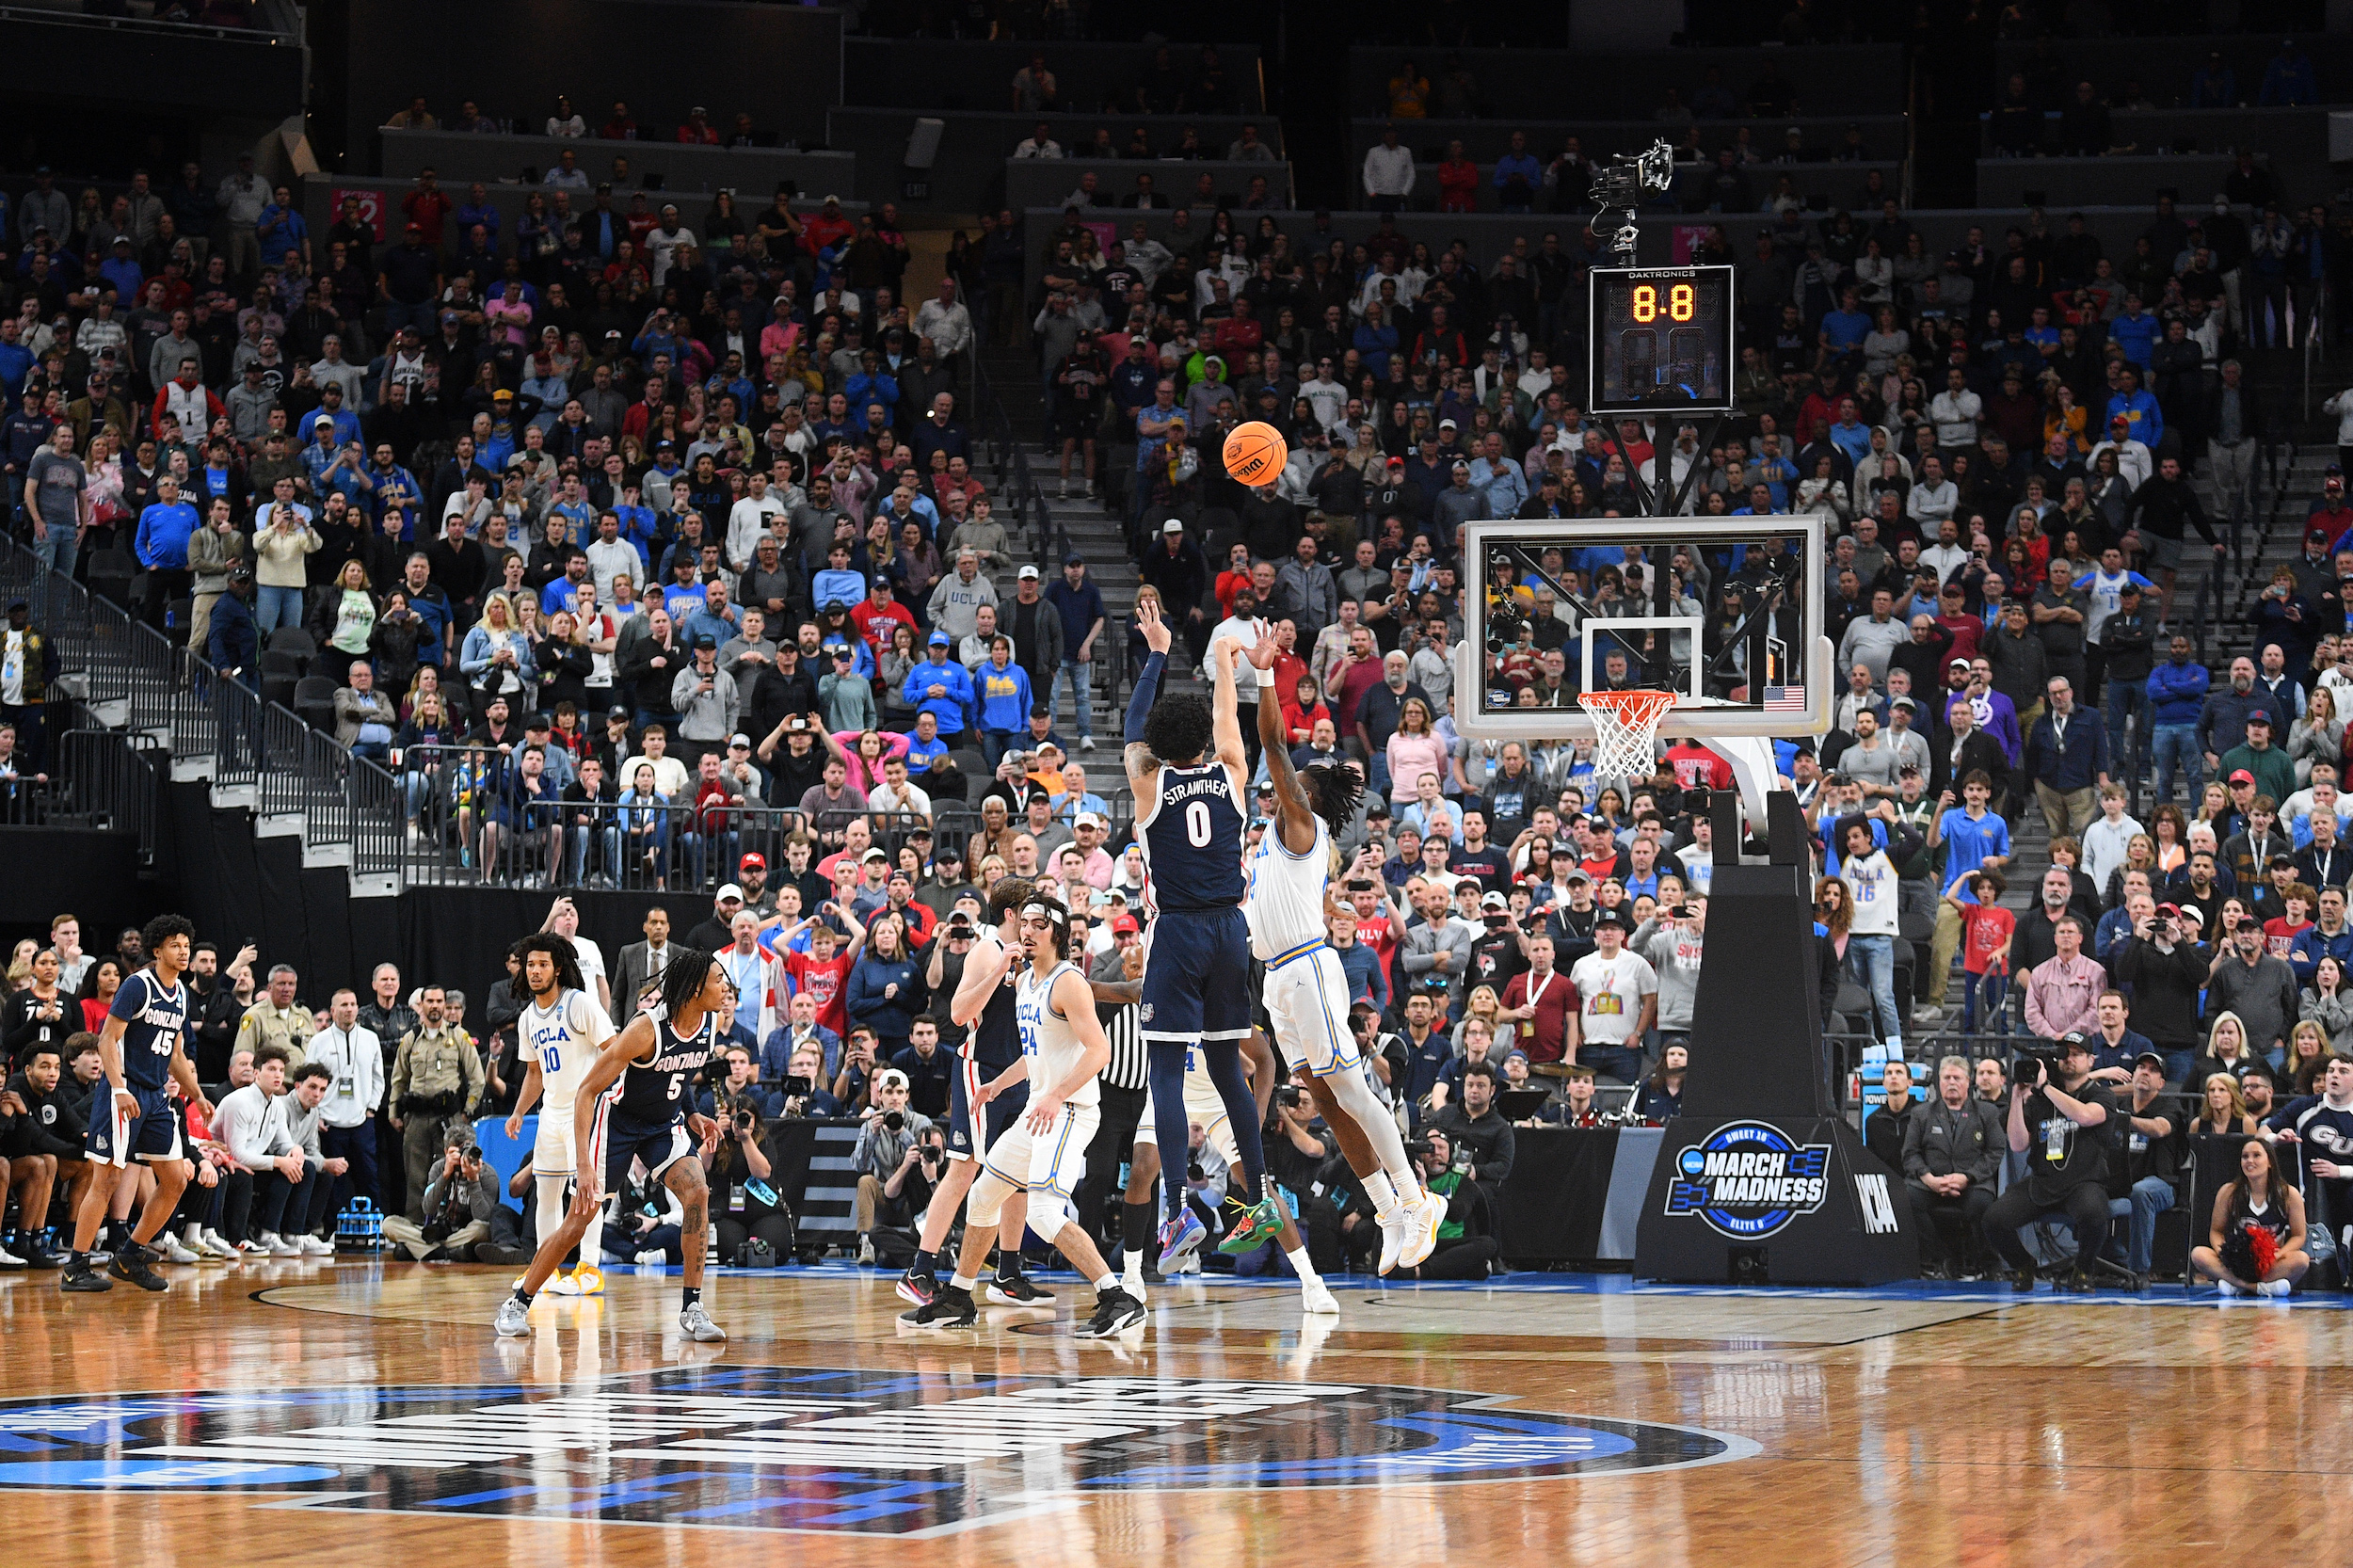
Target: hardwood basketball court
(301,1413)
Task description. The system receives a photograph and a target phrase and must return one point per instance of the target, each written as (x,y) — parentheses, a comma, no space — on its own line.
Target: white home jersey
(1285,899)
(1048,1040)
(564,1040)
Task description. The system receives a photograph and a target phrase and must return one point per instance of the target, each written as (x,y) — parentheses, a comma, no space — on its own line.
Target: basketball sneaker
(2228,1289)
(918,1287)
(1180,1238)
(1315,1299)
(172,1250)
(1116,1312)
(564,1282)
(1424,1215)
(2274,1287)
(952,1307)
(1016,1290)
(696,1325)
(79,1276)
(1259,1223)
(136,1265)
(587,1281)
(1394,1227)
(514,1320)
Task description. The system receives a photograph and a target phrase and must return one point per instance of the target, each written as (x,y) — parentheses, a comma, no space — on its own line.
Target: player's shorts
(1306,1002)
(1196,977)
(1052,1163)
(619,1139)
(115,1138)
(552,1151)
(1203,1105)
(970,1136)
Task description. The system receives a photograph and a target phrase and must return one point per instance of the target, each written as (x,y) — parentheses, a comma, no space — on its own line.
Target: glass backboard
(1726,613)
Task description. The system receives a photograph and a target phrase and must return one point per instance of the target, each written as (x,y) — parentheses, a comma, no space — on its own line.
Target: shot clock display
(1662,340)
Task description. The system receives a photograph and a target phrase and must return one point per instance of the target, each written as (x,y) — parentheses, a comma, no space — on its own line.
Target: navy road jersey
(993,1040)
(155,1015)
(655,1091)
(1192,837)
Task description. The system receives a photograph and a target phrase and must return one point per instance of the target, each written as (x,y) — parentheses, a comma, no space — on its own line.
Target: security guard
(436,1082)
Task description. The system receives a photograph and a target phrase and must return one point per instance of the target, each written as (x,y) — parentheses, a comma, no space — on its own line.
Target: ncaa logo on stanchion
(875,1451)
(1748,1179)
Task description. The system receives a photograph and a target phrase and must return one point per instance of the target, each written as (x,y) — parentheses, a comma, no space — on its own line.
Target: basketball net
(1625,729)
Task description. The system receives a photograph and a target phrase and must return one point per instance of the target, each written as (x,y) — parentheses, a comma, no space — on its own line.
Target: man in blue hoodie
(2177,695)
(165,525)
(940,687)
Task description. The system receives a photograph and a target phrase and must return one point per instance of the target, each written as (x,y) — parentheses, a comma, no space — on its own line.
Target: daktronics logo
(1748,1179)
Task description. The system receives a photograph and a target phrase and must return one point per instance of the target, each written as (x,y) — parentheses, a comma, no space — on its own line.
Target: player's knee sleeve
(1049,1212)
(987,1201)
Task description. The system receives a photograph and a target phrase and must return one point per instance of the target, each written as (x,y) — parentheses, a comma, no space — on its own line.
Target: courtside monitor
(1724,613)
(1661,340)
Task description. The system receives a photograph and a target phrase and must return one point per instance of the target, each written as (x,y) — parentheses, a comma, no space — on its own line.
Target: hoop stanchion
(1625,729)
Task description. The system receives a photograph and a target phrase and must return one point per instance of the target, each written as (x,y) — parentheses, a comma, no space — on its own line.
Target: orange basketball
(1255,453)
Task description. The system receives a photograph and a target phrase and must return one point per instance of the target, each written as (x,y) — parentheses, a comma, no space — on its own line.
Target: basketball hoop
(1626,728)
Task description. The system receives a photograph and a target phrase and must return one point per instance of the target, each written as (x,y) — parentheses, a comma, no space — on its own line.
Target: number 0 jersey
(564,1040)
(1192,834)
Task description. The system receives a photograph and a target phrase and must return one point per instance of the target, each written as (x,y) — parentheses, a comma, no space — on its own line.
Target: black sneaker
(491,1252)
(1116,1312)
(133,1264)
(952,1307)
(2020,1279)
(1016,1290)
(42,1257)
(2077,1282)
(80,1277)
(918,1286)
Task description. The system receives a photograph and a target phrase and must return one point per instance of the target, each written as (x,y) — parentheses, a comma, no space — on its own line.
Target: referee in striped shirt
(1123,1083)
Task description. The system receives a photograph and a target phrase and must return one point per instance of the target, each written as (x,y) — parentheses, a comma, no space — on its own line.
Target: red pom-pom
(2266,1247)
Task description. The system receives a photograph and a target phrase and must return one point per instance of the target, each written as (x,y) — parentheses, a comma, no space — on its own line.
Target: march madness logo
(1747,1179)
(804,1450)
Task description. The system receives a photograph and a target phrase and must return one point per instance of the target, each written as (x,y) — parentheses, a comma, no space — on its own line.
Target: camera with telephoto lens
(2030,1068)
(894,1120)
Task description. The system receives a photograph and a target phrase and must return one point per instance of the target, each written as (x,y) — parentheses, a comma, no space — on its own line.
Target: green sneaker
(1259,1223)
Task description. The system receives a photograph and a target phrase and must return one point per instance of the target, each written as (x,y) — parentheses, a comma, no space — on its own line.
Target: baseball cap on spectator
(1074,559)
(1578,873)
(1495,901)
(890,1078)
(2259,716)
(323,419)
(706,641)
(1174,526)
(2150,1058)
(1958,664)
(1460,467)
(1447,425)
(616,711)
(728,890)
(1612,917)
(1125,925)
(1026,574)
(537,721)
(740,739)
(874,855)
(1086,819)
(2242,776)
(948,849)
(939,638)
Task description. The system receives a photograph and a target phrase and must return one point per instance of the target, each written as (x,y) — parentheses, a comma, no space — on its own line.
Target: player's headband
(1052,914)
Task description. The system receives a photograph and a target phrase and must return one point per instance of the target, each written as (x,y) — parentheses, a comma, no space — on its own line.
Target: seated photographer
(1952,1158)
(743,1205)
(1300,1155)
(645,1226)
(1467,1242)
(2255,1243)
(893,1183)
(1478,1131)
(801,1092)
(739,1085)
(457,1205)
(2149,1163)
(2059,1119)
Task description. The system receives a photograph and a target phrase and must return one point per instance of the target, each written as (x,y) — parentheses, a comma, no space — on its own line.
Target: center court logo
(804,1450)
(1748,1179)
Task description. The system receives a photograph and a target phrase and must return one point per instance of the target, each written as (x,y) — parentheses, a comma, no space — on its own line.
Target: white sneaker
(562,1282)
(1087,743)
(1189,1264)
(214,1250)
(251,1247)
(2228,1289)
(514,1320)
(1426,1214)
(1393,1228)
(316,1247)
(277,1246)
(866,1251)
(654,1257)
(696,1325)
(173,1250)
(2274,1287)
(1315,1299)
(1133,1284)
(9,1259)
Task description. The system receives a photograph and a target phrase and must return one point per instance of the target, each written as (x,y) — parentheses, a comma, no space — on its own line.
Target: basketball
(1255,453)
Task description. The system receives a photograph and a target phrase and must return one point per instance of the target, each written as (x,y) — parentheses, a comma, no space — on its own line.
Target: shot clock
(1661,340)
